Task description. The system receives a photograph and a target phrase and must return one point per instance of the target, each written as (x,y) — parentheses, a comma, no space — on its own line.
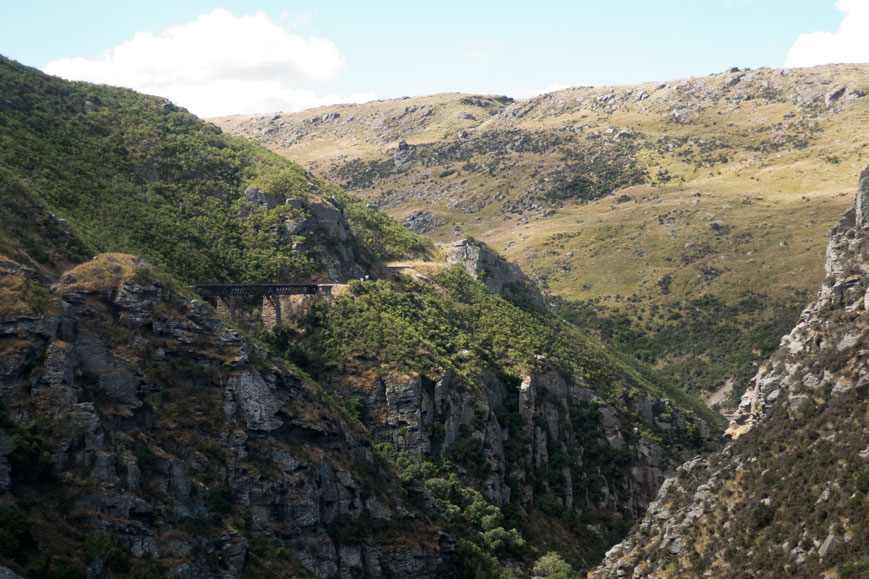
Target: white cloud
(480,50)
(220,64)
(849,44)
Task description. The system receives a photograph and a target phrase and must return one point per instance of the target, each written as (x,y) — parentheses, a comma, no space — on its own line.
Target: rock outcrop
(189,450)
(312,228)
(788,495)
(404,157)
(499,275)
(421,221)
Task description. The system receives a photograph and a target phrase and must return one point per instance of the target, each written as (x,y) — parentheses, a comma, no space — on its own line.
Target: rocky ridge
(404,160)
(789,494)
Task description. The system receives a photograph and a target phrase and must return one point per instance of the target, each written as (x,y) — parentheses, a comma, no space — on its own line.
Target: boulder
(262,199)
(421,221)
(404,157)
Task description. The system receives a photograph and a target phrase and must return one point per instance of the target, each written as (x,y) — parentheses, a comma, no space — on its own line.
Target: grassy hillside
(133,173)
(631,203)
(89,169)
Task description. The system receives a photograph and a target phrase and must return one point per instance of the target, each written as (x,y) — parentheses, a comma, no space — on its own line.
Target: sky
(218,58)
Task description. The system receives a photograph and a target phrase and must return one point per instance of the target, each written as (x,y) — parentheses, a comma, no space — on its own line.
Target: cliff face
(789,494)
(549,443)
(173,445)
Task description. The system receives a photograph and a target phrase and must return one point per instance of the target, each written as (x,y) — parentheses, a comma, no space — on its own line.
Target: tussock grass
(106,271)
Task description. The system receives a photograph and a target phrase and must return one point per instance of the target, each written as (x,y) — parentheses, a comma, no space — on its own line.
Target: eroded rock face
(560,424)
(499,275)
(862,205)
(404,157)
(799,449)
(187,445)
(262,198)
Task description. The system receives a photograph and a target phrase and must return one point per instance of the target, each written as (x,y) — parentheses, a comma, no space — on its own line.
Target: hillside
(414,424)
(132,173)
(789,495)
(702,200)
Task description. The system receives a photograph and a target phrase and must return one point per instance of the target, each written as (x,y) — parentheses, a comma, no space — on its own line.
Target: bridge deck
(258,289)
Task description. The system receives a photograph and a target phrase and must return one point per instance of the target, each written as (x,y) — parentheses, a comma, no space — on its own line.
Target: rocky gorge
(187,448)
(425,420)
(788,495)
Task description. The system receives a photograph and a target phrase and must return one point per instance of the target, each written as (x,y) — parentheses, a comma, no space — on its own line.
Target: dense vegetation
(455,324)
(698,343)
(135,174)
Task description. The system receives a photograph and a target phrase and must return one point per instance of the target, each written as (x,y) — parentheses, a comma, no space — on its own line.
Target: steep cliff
(525,409)
(789,495)
(142,435)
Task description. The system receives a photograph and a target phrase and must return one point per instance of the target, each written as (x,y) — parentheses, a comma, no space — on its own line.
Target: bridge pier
(226,305)
(269,294)
(271,311)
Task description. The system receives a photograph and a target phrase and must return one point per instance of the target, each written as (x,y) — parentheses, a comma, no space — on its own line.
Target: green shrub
(14,531)
(549,505)
(355,408)
(145,458)
(220,498)
(30,460)
(467,451)
(762,515)
(552,566)
(114,556)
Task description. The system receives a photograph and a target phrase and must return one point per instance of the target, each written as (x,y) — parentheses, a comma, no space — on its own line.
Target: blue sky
(320,52)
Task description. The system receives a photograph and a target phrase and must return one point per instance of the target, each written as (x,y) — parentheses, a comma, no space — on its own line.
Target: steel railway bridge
(228,292)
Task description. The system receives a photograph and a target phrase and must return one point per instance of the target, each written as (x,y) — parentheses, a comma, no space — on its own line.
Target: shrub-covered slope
(133,173)
(144,435)
(788,497)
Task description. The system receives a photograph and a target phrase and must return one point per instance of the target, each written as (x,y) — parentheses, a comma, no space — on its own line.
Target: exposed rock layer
(188,445)
(788,496)
(499,275)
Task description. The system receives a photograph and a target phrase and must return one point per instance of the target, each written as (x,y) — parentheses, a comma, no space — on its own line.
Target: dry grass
(621,249)
(11,303)
(106,271)
(425,268)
